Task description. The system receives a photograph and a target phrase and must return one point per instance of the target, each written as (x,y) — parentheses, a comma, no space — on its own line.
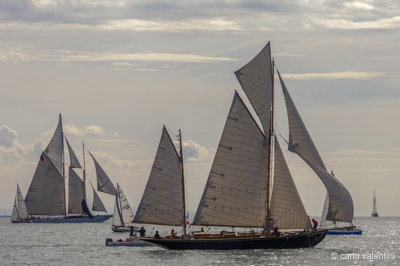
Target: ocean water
(84,244)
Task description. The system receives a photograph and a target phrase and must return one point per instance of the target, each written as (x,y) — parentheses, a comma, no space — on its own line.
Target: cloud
(193,151)
(335,75)
(358,5)
(344,24)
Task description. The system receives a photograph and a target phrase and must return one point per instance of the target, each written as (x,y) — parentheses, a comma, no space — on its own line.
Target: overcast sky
(118,70)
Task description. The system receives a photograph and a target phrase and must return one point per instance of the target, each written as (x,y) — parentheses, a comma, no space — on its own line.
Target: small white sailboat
(123,215)
(20,213)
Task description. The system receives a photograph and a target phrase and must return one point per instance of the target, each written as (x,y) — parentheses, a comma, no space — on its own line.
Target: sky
(118,70)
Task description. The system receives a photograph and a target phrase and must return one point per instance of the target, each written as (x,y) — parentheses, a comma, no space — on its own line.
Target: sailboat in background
(46,198)
(20,213)
(374,210)
(123,215)
(238,189)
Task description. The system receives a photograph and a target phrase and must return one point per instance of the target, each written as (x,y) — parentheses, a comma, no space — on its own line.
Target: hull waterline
(302,240)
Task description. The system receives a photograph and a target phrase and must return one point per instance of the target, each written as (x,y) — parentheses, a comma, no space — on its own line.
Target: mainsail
(162,200)
(122,211)
(97,203)
(104,183)
(20,211)
(75,192)
(46,194)
(235,192)
(340,202)
(287,210)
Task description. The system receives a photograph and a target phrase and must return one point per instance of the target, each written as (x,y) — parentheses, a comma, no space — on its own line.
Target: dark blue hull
(95,219)
(345,232)
(301,240)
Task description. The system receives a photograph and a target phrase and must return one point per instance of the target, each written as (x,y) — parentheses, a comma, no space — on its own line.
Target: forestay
(287,209)
(162,201)
(75,192)
(46,192)
(104,183)
(74,162)
(256,79)
(235,192)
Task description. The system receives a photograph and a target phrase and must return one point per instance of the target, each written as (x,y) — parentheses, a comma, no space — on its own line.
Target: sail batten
(162,200)
(235,190)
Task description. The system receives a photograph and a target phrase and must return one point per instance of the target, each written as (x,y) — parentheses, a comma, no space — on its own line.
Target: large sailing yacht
(238,190)
(46,200)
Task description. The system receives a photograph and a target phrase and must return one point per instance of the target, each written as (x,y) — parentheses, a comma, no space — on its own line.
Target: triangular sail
(97,203)
(300,142)
(287,210)
(122,211)
(104,183)
(374,210)
(55,148)
(256,79)
(75,192)
(235,192)
(117,216)
(22,210)
(15,214)
(74,162)
(162,201)
(46,192)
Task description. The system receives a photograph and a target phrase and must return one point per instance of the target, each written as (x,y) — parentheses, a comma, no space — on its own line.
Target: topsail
(104,183)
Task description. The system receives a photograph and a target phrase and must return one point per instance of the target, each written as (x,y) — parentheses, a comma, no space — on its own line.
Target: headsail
(300,142)
(256,79)
(97,203)
(46,192)
(75,192)
(20,211)
(287,210)
(74,162)
(55,148)
(104,183)
(162,201)
(235,192)
(122,211)
(117,216)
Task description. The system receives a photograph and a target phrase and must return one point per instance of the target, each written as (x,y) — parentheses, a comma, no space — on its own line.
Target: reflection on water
(84,244)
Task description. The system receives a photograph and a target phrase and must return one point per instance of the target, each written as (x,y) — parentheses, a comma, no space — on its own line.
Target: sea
(84,244)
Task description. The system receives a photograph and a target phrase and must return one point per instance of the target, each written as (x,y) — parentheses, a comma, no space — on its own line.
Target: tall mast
(84,171)
(269,159)
(183,183)
(63,167)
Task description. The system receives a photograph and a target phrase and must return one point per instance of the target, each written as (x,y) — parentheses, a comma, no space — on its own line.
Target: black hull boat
(300,240)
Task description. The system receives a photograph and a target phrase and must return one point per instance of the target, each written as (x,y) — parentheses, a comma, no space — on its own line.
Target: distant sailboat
(46,197)
(20,213)
(374,209)
(238,189)
(123,215)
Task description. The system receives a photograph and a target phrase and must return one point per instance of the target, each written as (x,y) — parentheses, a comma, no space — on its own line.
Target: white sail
(300,141)
(340,201)
(22,210)
(97,203)
(256,79)
(235,192)
(287,210)
(162,200)
(74,162)
(374,210)
(104,183)
(55,148)
(46,192)
(122,211)
(15,214)
(75,192)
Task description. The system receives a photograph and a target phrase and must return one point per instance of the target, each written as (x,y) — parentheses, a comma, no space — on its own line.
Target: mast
(84,171)
(183,183)
(269,160)
(63,168)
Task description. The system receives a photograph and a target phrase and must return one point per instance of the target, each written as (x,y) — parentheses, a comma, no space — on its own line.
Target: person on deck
(157,235)
(315,224)
(173,233)
(131,232)
(142,231)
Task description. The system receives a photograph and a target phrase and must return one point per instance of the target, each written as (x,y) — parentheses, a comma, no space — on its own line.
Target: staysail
(235,192)
(122,211)
(20,211)
(162,201)
(104,183)
(74,162)
(256,79)
(75,192)
(287,209)
(300,142)
(97,203)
